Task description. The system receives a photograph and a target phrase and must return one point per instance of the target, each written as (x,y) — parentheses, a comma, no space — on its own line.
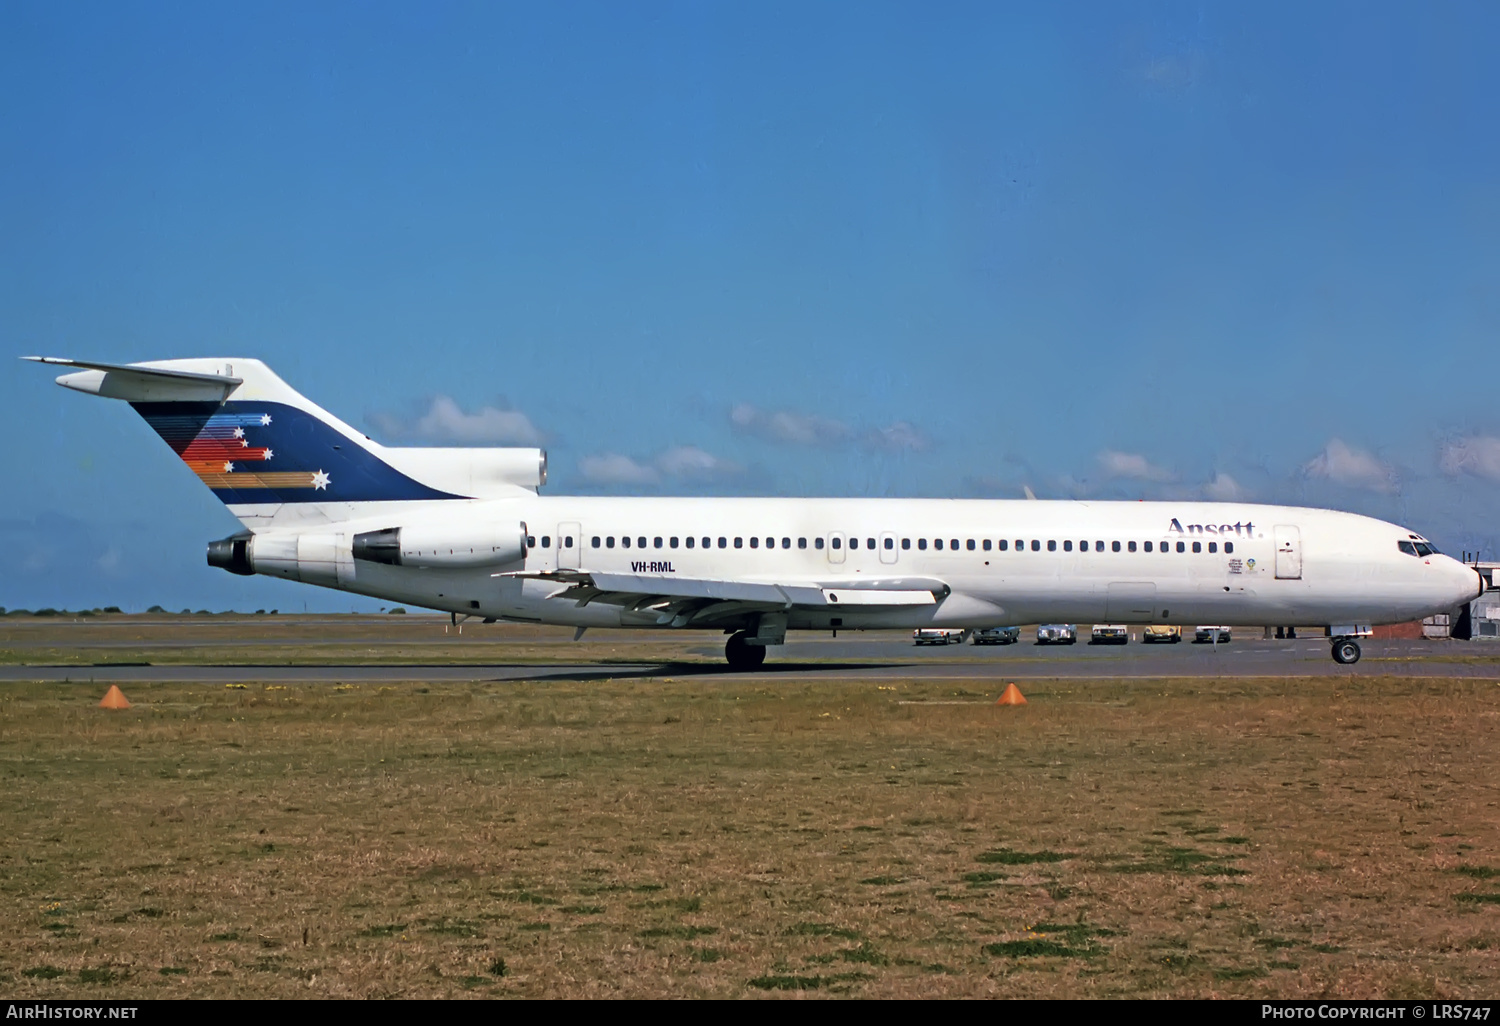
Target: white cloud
(692,463)
(1478,455)
(1131,465)
(1224,488)
(1352,468)
(682,462)
(789,427)
(612,468)
(445,421)
(898,437)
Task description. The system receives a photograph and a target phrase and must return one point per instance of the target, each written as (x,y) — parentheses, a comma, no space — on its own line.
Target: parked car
(997,636)
(1056,634)
(1109,634)
(1161,634)
(937,636)
(1217,635)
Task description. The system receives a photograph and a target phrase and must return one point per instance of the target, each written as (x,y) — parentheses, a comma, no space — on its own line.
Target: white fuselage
(1002,562)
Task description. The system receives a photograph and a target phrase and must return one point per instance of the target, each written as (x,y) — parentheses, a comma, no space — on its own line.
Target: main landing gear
(741,654)
(1345,650)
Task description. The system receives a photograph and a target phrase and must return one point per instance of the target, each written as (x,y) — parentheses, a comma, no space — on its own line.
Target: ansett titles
(1245,530)
(652,568)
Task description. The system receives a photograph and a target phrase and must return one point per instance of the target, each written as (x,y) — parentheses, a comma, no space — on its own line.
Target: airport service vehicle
(1109,634)
(1211,635)
(468,531)
(997,635)
(1056,634)
(1161,634)
(937,636)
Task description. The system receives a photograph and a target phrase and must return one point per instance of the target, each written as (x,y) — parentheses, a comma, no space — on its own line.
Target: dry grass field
(720,837)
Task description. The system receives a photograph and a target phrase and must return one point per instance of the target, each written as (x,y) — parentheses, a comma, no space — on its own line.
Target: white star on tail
(267,455)
(265,418)
(229,468)
(239,432)
(320,480)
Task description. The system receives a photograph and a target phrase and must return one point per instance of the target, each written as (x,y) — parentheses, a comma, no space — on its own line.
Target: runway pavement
(873,657)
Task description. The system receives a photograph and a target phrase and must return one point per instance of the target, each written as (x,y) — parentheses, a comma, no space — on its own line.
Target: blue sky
(1107,250)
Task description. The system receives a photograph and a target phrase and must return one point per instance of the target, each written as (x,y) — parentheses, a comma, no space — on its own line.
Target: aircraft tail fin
(272,455)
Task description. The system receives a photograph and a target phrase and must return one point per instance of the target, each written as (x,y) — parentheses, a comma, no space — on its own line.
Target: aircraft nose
(1468,585)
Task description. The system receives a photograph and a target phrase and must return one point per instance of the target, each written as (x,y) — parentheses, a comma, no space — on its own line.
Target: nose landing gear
(1345,651)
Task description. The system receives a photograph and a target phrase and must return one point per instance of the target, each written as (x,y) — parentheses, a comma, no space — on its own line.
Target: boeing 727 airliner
(465,531)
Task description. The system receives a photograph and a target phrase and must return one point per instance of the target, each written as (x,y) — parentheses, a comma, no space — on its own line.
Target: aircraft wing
(682,600)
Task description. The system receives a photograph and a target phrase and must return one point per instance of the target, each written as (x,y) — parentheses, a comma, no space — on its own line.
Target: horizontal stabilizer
(142,382)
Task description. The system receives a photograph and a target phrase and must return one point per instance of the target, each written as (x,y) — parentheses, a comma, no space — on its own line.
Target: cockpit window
(1426,549)
(1407,547)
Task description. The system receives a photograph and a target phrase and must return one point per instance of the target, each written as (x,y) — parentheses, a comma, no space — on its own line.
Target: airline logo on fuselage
(652,568)
(1244,530)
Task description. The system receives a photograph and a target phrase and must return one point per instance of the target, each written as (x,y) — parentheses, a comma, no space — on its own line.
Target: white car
(937,636)
(1109,634)
(997,636)
(1056,634)
(1216,635)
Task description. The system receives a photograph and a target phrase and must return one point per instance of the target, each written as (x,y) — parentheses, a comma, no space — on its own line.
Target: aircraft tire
(1346,651)
(741,655)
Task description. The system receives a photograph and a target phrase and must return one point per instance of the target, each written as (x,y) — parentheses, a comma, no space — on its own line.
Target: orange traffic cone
(1011,696)
(114,698)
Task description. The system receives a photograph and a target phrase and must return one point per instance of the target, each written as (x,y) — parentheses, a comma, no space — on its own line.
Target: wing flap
(643,590)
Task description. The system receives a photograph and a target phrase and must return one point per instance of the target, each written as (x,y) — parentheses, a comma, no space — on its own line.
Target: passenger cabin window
(786,543)
(641,542)
(836,543)
(1128,545)
(953,544)
(890,543)
(656,542)
(625,542)
(531,541)
(723,543)
(801,543)
(1148,546)
(817,543)
(1005,545)
(672,542)
(1213,546)
(739,543)
(970,545)
(596,541)
(1115,546)
(754,543)
(546,541)
(1051,545)
(922,544)
(770,543)
(986,545)
(870,543)
(1229,546)
(567,542)
(1197,546)
(1036,545)
(690,543)
(1067,546)
(906,543)
(937,543)
(609,542)
(1099,546)
(1181,547)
